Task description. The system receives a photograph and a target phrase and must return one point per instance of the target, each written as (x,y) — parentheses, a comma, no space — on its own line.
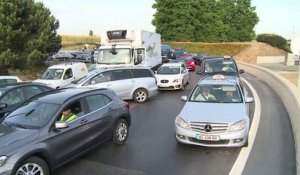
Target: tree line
(205,20)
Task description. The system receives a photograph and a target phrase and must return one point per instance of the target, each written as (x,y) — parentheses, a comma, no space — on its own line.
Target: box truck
(129,48)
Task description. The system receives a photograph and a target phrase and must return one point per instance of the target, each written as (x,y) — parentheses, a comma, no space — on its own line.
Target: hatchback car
(216,113)
(9,79)
(137,83)
(172,76)
(13,94)
(34,140)
(226,65)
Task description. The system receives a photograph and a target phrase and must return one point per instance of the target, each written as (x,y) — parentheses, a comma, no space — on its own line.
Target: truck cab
(129,48)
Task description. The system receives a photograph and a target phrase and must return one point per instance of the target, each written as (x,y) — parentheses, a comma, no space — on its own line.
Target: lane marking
(239,164)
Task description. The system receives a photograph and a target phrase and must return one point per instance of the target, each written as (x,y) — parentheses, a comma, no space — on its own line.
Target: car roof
(218,57)
(211,80)
(64,65)
(172,64)
(60,96)
(120,68)
(8,86)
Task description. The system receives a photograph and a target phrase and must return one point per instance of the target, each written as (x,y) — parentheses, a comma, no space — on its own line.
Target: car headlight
(2,160)
(176,81)
(238,126)
(181,123)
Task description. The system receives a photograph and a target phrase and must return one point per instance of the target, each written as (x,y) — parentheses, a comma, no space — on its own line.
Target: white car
(137,83)
(172,76)
(9,79)
(216,113)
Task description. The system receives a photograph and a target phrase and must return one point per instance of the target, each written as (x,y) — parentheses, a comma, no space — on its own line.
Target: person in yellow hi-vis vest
(67,115)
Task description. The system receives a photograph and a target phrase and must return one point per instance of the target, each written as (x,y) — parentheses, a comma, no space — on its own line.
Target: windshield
(83,79)
(225,67)
(32,114)
(1,93)
(121,56)
(52,74)
(169,70)
(216,94)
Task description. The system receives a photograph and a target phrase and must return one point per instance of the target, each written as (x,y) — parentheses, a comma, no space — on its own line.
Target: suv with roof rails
(216,113)
(225,65)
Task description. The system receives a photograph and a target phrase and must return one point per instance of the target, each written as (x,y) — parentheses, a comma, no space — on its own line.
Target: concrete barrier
(289,95)
(270,59)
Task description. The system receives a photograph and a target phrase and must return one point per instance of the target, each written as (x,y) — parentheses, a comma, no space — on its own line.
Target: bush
(274,40)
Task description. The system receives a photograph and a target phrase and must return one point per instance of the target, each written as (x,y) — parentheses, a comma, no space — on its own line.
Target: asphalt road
(151,147)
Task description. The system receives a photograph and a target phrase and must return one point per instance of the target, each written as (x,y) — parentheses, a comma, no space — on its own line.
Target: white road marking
(242,158)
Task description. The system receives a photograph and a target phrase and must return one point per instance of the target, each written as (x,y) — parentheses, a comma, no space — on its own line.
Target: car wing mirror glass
(184,98)
(249,99)
(61,125)
(3,105)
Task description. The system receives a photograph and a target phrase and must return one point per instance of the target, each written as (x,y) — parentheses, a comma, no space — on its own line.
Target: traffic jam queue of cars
(39,120)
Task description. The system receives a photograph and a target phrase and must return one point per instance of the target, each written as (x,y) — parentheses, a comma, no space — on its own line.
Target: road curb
(289,95)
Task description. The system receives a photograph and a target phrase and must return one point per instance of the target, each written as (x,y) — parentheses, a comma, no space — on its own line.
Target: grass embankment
(211,48)
(75,40)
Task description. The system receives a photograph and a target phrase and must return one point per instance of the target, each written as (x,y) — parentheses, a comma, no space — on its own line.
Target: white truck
(129,48)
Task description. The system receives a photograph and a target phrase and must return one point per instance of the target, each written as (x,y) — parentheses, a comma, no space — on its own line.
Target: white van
(61,75)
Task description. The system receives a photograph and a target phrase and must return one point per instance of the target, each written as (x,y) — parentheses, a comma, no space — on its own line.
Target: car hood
(213,112)
(167,76)
(13,138)
(51,83)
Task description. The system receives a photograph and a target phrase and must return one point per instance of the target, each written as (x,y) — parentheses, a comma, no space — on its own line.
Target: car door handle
(83,121)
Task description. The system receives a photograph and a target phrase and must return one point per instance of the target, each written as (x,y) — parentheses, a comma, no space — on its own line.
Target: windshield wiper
(29,112)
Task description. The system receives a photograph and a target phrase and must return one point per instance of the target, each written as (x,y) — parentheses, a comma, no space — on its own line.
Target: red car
(190,63)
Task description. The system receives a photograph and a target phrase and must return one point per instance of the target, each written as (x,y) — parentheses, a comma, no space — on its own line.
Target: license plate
(207,137)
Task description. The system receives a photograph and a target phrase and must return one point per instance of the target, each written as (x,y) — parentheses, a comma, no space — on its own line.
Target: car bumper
(6,169)
(227,139)
(169,86)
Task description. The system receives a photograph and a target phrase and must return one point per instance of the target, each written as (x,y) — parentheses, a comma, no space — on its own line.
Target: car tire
(140,95)
(33,165)
(120,133)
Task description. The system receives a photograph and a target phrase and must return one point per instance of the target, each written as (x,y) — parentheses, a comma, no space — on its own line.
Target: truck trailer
(129,48)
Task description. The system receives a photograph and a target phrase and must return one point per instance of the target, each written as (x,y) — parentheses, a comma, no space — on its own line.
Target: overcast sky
(78,17)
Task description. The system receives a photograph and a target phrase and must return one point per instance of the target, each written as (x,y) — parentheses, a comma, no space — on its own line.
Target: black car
(34,140)
(12,95)
(225,65)
(167,53)
(198,57)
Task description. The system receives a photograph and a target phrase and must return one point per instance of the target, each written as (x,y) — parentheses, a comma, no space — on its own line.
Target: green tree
(27,34)
(274,40)
(205,20)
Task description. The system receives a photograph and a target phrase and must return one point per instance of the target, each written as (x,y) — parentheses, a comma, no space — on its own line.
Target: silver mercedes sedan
(216,113)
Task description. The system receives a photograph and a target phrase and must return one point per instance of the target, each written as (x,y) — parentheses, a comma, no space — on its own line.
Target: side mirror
(249,99)
(3,105)
(184,98)
(139,58)
(61,125)
(241,71)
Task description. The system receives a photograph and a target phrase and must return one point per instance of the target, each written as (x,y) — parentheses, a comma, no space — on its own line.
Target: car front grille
(208,142)
(211,128)
(164,81)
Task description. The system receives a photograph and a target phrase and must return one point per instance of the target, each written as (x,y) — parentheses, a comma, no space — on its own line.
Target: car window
(216,94)
(31,91)
(52,74)
(183,67)
(13,97)
(96,102)
(76,110)
(32,114)
(121,74)
(100,78)
(4,81)
(140,73)
(165,70)
(68,74)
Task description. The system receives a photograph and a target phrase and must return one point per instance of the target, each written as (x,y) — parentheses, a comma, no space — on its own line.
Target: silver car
(137,83)
(216,113)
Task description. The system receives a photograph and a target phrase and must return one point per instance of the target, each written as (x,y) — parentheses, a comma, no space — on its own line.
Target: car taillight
(126,104)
